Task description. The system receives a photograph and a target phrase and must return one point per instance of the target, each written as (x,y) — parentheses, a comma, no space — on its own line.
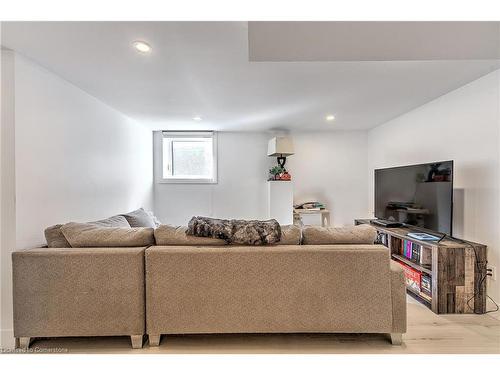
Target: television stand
(386,223)
(456,268)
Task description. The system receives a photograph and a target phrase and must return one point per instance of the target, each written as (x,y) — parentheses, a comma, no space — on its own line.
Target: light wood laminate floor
(427,333)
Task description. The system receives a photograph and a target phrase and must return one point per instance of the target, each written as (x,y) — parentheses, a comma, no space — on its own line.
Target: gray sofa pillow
(55,237)
(140,218)
(117,221)
(93,235)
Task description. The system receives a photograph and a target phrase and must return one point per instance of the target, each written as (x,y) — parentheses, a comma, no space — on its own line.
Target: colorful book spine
(426,287)
(415,252)
(411,250)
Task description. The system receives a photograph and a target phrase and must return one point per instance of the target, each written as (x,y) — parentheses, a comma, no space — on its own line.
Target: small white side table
(308,217)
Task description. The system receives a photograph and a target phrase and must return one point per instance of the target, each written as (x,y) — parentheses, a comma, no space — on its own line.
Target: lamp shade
(280,146)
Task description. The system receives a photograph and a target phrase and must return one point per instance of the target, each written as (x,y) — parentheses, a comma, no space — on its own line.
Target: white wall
(327,166)
(7,195)
(241,190)
(76,158)
(464,126)
(72,158)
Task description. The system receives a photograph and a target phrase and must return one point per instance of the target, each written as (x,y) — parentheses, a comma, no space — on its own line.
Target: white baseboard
(7,340)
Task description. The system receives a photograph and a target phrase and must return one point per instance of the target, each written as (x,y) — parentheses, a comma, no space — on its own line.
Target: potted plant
(275,172)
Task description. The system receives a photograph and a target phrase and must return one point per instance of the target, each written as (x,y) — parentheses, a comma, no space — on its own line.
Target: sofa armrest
(398,295)
(78,292)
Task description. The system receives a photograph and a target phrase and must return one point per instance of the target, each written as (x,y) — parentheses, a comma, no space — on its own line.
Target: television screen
(419,195)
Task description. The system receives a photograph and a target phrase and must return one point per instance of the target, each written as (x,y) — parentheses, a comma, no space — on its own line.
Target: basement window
(189,157)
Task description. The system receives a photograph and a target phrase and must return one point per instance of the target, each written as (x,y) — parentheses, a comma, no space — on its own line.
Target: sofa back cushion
(168,235)
(55,237)
(359,234)
(140,218)
(93,235)
(117,221)
(290,235)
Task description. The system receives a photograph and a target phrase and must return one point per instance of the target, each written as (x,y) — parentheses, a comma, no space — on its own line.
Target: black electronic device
(416,195)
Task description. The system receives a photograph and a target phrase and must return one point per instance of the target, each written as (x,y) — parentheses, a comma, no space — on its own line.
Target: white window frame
(188,134)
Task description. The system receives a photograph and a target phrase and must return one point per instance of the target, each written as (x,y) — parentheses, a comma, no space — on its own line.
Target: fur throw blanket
(244,232)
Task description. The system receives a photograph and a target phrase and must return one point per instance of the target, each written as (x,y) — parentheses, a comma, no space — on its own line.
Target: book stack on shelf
(416,253)
(417,271)
(382,238)
(426,287)
(310,206)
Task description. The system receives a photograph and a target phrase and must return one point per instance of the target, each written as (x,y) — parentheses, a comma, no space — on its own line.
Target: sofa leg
(396,338)
(136,341)
(154,340)
(23,342)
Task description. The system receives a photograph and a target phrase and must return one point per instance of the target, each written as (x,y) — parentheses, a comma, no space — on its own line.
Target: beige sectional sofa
(187,284)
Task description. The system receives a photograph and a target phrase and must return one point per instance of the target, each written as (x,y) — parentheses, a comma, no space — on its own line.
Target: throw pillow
(117,221)
(139,218)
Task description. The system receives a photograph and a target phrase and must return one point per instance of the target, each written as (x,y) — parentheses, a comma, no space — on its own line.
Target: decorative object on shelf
(280,147)
(315,206)
(285,176)
(275,172)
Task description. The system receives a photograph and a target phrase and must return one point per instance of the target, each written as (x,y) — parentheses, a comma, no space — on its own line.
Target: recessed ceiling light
(330,118)
(142,47)
(197,118)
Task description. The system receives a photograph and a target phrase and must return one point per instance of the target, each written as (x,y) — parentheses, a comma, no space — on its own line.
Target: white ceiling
(203,69)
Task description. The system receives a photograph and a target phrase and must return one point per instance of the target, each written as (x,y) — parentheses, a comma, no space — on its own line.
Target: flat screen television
(419,195)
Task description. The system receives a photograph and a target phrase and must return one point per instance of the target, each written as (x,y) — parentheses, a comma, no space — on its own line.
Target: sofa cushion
(290,235)
(359,234)
(117,221)
(170,235)
(55,237)
(93,235)
(140,218)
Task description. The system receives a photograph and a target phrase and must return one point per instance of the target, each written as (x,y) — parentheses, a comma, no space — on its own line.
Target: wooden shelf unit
(457,270)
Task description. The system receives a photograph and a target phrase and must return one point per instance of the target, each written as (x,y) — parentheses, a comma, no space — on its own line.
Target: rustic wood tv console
(457,270)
